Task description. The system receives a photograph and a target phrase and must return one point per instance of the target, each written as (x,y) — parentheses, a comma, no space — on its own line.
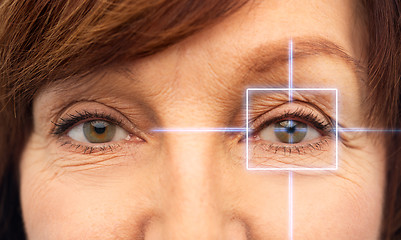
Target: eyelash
(323,127)
(72,120)
(299,115)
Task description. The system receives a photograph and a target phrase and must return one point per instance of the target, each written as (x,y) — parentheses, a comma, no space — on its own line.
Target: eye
(289,132)
(97,131)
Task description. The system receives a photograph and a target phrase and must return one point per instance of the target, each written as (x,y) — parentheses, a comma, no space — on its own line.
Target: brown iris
(290,131)
(99,131)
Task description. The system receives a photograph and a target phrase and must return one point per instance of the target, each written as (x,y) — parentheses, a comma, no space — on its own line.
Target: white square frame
(290,90)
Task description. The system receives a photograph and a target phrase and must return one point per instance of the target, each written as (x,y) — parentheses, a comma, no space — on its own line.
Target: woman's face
(94,169)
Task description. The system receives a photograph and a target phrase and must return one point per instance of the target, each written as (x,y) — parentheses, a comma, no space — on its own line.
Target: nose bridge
(193,180)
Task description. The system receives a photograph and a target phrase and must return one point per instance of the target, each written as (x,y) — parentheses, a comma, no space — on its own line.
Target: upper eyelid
(117,117)
(318,102)
(263,122)
(300,103)
(321,129)
(75,120)
(280,118)
(63,109)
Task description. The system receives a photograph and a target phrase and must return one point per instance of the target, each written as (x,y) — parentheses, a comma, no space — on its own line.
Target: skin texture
(195,185)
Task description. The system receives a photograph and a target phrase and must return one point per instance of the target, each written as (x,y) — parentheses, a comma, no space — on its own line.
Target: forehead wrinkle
(269,57)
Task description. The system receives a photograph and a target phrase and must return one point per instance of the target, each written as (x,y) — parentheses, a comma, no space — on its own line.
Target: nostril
(236,230)
(153,230)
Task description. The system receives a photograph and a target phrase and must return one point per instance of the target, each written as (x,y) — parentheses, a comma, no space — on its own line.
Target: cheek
(61,205)
(329,205)
(346,204)
(342,204)
(337,208)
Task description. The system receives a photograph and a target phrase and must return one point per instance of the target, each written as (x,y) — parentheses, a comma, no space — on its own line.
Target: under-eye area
(291,130)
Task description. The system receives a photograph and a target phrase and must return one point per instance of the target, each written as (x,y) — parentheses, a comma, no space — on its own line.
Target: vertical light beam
(290,56)
(290,206)
(290,185)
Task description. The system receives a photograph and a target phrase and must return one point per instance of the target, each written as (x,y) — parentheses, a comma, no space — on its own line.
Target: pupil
(100,130)
(290,131)
(289,126)
(99,127)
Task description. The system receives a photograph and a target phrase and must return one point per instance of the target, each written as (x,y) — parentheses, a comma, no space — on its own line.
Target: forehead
(258,32)
(270,21)
(213,65)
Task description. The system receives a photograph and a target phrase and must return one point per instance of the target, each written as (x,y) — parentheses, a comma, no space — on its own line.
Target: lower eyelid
(84,148)
(319,153)
(299,148)
(71,145)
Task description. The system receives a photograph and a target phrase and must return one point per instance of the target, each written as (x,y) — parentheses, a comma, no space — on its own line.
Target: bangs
(58,39)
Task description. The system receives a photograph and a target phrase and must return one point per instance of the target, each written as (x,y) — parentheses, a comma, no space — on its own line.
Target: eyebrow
(267,57)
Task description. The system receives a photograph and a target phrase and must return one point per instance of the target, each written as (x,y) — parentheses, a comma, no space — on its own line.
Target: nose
(194,205)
